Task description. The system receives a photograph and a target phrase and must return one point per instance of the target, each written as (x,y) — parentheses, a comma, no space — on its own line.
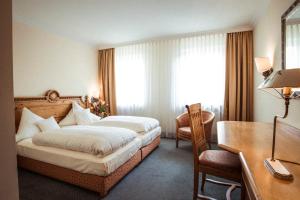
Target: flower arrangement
(99,107)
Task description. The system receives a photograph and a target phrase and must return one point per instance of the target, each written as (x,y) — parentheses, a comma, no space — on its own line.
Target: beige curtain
(107,78)
(239,77)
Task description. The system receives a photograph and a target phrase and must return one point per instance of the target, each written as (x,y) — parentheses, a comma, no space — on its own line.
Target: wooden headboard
(52,104)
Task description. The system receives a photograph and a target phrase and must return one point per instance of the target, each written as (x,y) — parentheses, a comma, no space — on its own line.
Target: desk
(253,142)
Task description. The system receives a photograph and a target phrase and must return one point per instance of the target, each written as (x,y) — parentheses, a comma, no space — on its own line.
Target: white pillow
(47,124)
(27,127)
(70,118)
(85,117)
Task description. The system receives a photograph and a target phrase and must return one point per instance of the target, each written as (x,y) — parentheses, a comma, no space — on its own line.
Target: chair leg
(243,192)
(177,140)
(196,184)
(203,181)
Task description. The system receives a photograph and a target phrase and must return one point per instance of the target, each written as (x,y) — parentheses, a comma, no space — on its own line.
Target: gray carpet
(164,175)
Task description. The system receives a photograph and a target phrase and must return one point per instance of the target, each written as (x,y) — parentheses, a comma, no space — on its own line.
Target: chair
(183,130)
(218,163)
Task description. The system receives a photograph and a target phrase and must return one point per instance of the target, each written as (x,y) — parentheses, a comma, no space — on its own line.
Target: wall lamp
(264,66)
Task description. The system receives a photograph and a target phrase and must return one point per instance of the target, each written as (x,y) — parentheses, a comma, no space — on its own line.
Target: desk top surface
(253,140)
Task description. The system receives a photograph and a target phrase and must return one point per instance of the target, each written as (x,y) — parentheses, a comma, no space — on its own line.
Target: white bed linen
(140,125)
(81,162)
(97,140)
(148,137)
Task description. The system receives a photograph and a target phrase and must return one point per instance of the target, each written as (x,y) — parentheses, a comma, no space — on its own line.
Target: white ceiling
(113,22)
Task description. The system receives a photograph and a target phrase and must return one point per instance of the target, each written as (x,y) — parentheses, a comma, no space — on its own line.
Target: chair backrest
(197,129)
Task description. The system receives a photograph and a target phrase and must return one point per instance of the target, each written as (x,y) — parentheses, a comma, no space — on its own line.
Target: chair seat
(185,133)
(221,160)
(185,130)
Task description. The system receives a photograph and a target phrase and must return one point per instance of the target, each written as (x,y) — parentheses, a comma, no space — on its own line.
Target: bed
(80,169)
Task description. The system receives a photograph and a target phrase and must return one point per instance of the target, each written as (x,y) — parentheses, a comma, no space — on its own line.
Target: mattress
(81,162)
(148,137)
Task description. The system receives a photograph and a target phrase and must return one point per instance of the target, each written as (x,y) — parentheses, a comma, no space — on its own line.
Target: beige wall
(267,42)
(8,166)
(45,61)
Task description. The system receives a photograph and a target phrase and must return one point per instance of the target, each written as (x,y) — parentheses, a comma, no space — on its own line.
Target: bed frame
(53,105)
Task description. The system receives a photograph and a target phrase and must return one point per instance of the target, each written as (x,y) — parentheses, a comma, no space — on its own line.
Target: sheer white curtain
(158,79)
(293,46)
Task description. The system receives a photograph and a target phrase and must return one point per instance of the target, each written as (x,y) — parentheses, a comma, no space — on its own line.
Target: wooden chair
(183,130)
(218,163)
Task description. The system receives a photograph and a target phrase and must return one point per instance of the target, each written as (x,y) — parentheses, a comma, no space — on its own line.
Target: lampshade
(283,78)
(263,64)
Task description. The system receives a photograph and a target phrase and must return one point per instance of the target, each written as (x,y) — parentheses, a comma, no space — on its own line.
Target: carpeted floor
(166,174)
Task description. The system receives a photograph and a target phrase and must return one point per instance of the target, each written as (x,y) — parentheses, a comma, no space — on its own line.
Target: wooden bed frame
(53,105)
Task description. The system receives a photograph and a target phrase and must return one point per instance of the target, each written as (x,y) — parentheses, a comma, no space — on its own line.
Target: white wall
(267,42)
(45,61)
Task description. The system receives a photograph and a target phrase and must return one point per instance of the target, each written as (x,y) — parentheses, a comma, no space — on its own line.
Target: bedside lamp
(264,66)
(282,82)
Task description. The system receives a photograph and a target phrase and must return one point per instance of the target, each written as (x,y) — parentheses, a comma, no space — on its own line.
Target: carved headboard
(52,104)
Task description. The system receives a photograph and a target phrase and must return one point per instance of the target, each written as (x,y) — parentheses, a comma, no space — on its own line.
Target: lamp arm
(280,94)
(287,103)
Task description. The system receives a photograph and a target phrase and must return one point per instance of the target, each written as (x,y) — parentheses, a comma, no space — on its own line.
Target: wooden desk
(253,142)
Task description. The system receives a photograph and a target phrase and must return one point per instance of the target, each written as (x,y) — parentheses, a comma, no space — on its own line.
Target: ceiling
(114,22)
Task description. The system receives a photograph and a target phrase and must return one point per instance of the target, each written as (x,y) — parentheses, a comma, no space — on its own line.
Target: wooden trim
(227,148)
(42,98)
(252,191)
(283,32)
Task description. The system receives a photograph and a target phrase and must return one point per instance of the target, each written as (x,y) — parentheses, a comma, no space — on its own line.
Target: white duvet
(95,140)
(138,124)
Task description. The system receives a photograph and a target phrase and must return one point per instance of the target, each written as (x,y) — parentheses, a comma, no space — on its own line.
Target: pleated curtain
(238,104)
(107,78)
(158,78)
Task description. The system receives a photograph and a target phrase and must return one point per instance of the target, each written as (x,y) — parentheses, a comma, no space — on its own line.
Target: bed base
(150,147)
(100,184)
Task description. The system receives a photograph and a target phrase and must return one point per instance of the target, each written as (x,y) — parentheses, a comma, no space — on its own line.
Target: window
(159,78)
